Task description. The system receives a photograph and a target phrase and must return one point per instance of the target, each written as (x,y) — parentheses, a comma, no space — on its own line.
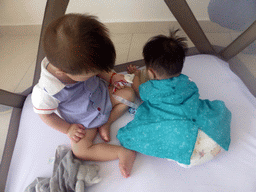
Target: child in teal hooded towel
(172,122)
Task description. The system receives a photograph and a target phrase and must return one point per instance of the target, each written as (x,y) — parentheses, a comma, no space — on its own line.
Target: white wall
(30,12)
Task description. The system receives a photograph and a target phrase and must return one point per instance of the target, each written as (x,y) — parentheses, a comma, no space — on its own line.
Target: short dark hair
(164,54)
(77,43)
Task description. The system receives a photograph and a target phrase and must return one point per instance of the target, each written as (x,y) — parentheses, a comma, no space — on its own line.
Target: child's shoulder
(169,81)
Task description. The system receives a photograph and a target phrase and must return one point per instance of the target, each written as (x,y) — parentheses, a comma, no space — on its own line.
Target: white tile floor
(18,55)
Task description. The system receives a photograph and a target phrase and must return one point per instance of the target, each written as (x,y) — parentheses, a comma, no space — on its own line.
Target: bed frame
(188,22)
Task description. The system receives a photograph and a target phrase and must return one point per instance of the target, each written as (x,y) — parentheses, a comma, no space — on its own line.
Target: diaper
(205,150)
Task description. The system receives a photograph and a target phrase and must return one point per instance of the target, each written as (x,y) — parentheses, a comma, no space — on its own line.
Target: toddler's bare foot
(104,132)
(126,161)
(132,69)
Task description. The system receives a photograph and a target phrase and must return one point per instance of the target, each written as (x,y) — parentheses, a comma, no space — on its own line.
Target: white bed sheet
(234,170)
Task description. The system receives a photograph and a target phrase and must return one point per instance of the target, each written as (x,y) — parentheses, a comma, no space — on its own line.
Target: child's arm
(74,131)
(45,105)
(136,84)
(113,78)
(132,69)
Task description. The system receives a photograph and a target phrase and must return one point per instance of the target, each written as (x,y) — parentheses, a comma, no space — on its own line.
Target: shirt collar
(50,83)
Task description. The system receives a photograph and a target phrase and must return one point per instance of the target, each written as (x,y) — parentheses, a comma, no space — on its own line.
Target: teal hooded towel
(166,124)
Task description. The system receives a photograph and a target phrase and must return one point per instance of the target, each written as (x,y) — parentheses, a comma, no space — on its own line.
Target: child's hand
(132,69)
(76,132)
(119,78)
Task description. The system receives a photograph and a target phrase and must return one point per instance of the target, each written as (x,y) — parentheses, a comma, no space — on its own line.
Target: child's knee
(81,149)
(81,152)
(128,94)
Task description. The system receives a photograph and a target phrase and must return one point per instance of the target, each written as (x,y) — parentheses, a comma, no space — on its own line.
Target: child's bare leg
(86,150)
(117,111)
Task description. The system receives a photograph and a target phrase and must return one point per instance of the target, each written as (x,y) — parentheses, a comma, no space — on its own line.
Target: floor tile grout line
(31,65)
(128,55)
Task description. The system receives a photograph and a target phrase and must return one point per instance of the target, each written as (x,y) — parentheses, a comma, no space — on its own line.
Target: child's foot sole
(126,162)
(104,132)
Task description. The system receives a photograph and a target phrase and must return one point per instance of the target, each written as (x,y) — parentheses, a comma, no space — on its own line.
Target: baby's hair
(77,43)
(165,54)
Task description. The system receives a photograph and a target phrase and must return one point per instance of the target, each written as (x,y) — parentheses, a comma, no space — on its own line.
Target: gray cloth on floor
(64,174)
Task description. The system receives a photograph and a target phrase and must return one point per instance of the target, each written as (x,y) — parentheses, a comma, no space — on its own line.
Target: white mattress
(234,170)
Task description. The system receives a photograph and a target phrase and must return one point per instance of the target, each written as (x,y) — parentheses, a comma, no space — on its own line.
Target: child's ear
(60,73)
(151,73)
